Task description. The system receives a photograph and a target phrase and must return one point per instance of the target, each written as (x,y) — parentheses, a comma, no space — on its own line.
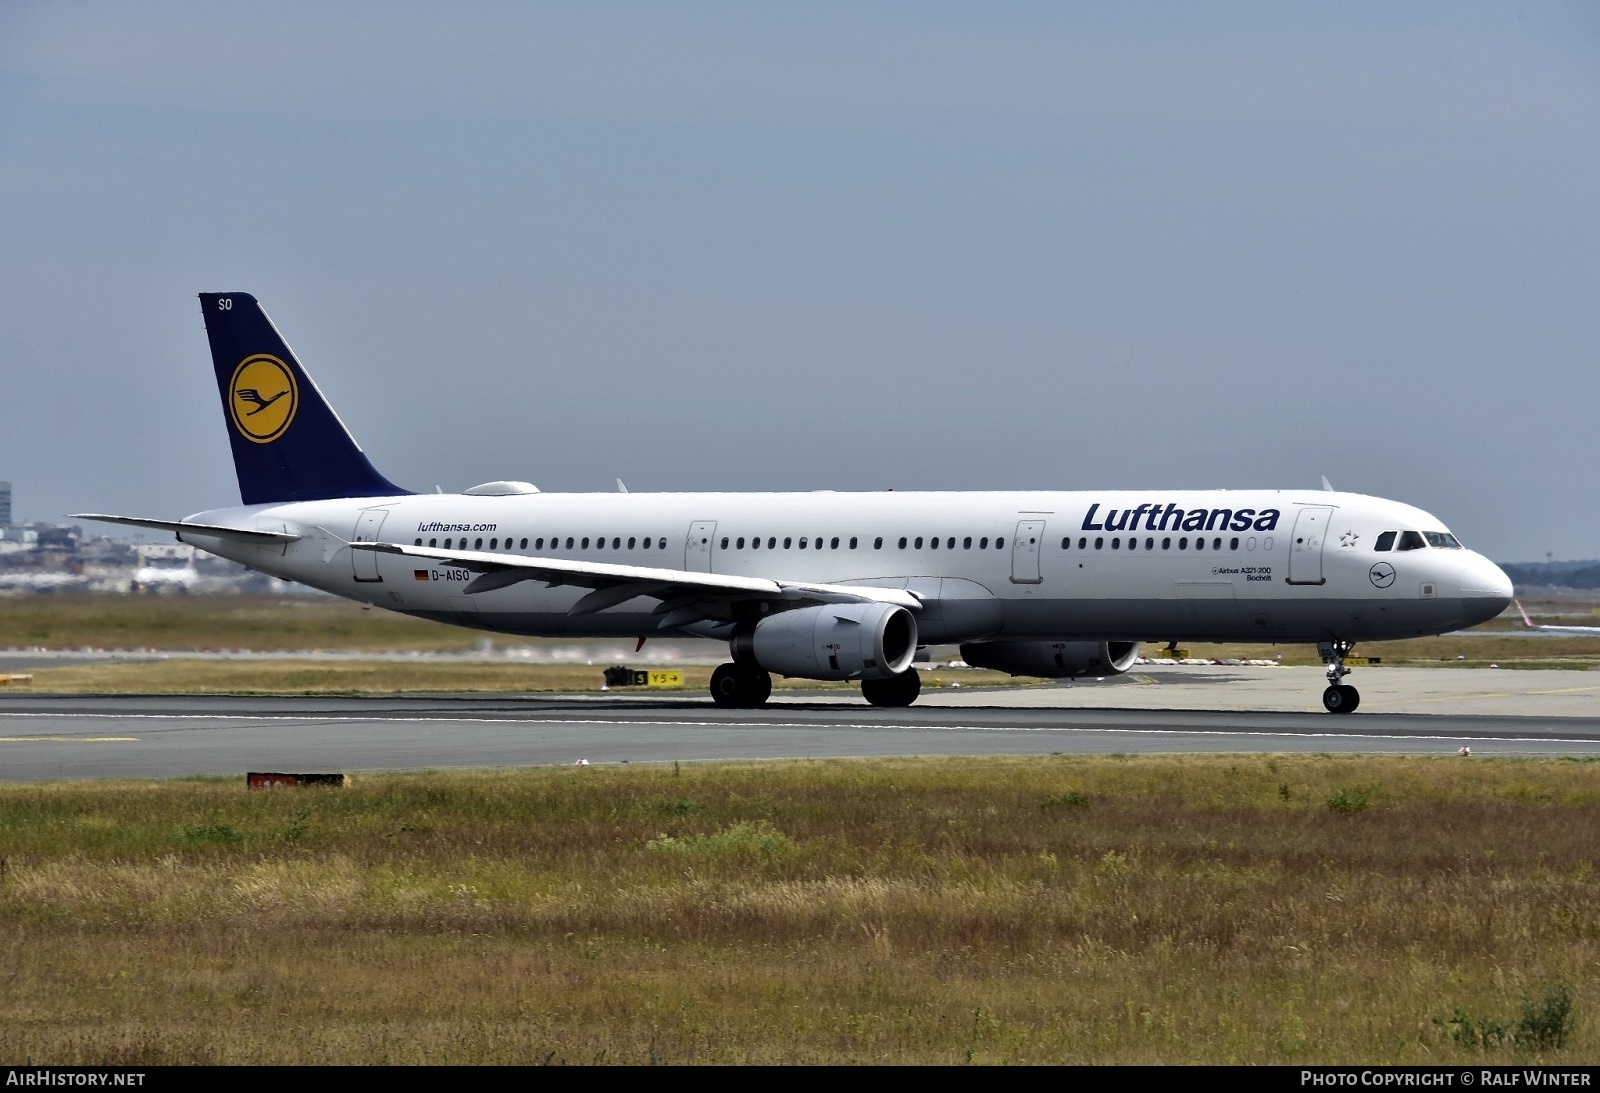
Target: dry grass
(1207,909)
(288,623)
(179,676)
(262,623)
(1479,651)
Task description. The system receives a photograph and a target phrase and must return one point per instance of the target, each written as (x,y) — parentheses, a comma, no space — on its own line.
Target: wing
(686,597)
(1531,625)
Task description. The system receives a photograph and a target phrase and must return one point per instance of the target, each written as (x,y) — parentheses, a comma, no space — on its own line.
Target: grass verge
(1067,909)
(210,622)
(179,676)
(289,623)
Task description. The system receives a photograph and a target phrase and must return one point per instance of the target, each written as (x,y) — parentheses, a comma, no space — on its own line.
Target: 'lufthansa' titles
(1171,518)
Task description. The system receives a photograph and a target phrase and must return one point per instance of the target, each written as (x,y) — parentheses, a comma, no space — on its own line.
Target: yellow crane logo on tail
(262,398)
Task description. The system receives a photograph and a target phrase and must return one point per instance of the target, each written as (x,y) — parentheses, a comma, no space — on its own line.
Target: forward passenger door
(1305,546)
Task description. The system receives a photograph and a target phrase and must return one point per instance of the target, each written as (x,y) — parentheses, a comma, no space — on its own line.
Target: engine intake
(834,641)
(1053,659)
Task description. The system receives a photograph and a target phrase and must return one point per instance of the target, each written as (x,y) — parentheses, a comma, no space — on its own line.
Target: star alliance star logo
(1348,539)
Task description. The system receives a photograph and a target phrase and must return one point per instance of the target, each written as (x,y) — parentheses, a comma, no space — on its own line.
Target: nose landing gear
(1339,697)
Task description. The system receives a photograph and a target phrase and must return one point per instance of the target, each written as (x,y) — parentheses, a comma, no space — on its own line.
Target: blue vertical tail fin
(288,444)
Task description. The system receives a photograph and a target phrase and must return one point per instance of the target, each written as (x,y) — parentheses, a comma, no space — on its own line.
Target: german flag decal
(420,574)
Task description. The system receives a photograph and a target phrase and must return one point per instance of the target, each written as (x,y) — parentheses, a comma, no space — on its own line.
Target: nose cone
(1485,589)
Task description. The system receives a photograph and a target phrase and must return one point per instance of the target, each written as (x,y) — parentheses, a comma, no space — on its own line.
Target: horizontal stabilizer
(177,527)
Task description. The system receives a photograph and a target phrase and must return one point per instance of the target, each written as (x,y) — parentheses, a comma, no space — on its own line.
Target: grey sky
(799,246)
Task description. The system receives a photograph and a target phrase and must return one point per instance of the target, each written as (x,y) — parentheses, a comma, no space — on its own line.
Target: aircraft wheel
(760,688)
(1341,699)
(734,686)
(725,686)
(900,690)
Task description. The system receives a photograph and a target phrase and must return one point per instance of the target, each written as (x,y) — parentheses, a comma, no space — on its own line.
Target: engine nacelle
(834,641)
(1053,659)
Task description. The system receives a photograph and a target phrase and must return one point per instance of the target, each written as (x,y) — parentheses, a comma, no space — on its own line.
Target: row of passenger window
(1385,542)
(1166,543)
(634,543)
(740,543)
(818,543)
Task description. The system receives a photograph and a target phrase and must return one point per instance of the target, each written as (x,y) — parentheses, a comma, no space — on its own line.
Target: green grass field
(201,623)
(268,624)
(307,677)
(1201,909)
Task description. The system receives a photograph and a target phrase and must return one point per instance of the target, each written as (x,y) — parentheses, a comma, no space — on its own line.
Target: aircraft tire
(900,690)
(725,686)
(736,687)
(1341,699)
(760,688)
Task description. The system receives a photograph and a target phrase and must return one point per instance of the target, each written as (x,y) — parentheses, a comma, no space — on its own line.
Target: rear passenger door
(365,562)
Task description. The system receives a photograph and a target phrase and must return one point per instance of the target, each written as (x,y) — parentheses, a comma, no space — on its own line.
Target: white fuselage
(1234,565)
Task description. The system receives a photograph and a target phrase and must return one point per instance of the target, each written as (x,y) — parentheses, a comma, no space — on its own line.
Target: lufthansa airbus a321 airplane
(828,586)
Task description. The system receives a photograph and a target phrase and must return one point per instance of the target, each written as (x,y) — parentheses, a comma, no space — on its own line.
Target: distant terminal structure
(43,557)
(164,564)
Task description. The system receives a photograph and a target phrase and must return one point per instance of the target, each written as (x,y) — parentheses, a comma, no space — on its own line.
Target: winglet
(1326,484)
(1526,621)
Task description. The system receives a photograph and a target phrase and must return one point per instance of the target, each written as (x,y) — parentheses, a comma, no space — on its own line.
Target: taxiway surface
(51,737)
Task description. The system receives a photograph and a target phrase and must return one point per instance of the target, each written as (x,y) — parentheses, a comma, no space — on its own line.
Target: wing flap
(648,580)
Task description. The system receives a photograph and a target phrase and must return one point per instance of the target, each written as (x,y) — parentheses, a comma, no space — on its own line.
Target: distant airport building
(165,555)
(5,504)
(61,537)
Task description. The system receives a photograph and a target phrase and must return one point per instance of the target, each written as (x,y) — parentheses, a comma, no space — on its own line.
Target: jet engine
(834,641)
(1053,659)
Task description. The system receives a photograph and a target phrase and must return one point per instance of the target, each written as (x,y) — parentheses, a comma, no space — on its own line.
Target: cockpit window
(1441,539)
(1385,541)
(1411,540)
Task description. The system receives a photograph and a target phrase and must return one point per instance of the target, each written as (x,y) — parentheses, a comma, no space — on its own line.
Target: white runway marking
(69,739)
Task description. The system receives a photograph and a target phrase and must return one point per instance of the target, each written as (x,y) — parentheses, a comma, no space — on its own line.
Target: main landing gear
(744,686)
(1339,697)
(900,690)
(740,686)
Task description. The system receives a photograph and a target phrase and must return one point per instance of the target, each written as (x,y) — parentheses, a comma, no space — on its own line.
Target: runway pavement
(1180,710)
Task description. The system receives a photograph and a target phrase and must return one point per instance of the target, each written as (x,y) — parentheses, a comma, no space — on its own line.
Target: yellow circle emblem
(262,398)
